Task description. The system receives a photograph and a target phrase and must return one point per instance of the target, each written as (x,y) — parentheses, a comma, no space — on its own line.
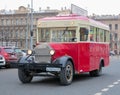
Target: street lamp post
(31,28)
(2,37)
(28,8)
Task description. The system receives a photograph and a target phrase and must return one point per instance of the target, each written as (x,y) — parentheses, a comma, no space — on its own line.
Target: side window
(97,38)
(83,34)
(107,36)
(101,35)
(44,35)
(60,35)
(91,33)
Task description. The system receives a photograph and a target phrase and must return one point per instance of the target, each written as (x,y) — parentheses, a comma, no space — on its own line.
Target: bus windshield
(57,34)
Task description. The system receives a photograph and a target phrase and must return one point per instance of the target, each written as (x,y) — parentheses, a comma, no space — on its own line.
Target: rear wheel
(24,76)
(7,65)
(66,74)
(97,72)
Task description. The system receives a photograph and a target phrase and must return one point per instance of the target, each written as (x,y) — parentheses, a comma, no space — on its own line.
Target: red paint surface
(86,56)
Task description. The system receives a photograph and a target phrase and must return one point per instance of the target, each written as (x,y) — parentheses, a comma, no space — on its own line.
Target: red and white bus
(68,45)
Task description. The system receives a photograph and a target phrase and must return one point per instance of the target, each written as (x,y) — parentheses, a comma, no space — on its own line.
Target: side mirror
(73,40)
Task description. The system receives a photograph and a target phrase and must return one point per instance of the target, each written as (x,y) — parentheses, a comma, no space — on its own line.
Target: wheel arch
(102,62)
(73,65)
(63,60)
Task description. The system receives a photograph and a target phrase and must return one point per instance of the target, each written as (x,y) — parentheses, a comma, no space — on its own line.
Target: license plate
(12,55)
(53,69)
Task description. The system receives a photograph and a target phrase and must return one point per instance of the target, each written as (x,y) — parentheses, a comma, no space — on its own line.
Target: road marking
(119,80)
(116,83)
(98,93)
(105,89)
(111,86)
(108,87)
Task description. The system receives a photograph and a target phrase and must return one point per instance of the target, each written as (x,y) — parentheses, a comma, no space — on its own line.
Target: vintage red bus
(68,45)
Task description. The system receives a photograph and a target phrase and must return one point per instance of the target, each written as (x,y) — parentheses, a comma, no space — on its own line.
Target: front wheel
(66,74)
(24,76)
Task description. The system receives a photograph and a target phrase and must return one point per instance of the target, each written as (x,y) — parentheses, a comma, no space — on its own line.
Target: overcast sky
(99,7)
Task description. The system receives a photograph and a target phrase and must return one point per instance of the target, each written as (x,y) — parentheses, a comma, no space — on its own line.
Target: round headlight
(52,52)
(29,52)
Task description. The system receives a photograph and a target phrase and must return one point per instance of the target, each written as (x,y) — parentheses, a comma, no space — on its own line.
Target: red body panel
(86,56)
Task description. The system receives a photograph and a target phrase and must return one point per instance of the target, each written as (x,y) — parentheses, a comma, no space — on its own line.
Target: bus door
(83,49)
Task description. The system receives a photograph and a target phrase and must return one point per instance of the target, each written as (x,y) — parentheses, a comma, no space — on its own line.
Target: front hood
(61,49)
(44,50)
(52,46)
(43,46)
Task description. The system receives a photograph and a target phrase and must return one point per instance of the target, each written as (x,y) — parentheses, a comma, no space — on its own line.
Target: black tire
(97,72)
(7,66)
(24,76)
(66,74)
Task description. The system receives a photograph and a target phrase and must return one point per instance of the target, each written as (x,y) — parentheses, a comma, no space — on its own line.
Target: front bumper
(44,67)
(2,63)
(11,61)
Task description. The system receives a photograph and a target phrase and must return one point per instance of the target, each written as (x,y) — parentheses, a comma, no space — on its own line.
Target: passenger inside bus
(73,36)
(91,37)
(83,34)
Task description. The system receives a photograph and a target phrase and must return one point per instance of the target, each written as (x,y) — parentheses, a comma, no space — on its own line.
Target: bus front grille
(42,55)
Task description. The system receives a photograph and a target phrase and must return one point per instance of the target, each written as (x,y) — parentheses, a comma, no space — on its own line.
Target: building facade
(15,26)
(113,21)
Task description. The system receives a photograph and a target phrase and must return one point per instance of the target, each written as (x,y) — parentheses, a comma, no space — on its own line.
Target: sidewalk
(115,56)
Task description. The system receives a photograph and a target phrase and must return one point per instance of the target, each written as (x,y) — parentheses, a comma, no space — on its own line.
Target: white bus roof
(69,20)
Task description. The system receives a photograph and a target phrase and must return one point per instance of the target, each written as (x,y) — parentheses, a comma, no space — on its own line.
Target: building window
(21,21)
(12,22)
(6,21)
(17,21)
(115,36)
(116,26)
(25,20)
(110,26)
(2,21)
(11,34)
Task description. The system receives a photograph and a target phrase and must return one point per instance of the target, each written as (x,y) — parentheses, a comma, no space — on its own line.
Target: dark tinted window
(17,50)
(9,50)
(110,26)
(116,26)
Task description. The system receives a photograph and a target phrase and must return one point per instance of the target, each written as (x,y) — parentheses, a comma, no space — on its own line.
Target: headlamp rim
(52,52)
(29,52)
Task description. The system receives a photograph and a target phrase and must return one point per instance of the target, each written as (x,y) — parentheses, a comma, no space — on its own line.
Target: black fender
(102,62)
(22,60)
(63,60)
(26,59)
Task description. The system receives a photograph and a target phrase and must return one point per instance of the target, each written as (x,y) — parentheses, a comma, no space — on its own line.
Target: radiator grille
(42,55)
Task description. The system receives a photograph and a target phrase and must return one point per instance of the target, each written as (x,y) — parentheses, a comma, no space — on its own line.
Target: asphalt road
(107,84)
